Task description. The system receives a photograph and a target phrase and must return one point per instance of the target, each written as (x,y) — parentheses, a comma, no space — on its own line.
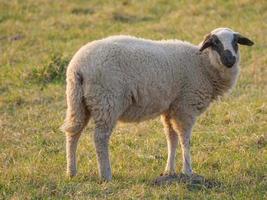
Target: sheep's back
(142,74)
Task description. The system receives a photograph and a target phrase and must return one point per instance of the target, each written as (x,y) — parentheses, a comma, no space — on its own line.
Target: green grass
(37,39)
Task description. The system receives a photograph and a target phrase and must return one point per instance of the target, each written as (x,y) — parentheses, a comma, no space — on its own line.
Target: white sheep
(123,78)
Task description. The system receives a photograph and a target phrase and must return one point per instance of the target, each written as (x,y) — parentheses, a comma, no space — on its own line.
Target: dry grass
(229,140)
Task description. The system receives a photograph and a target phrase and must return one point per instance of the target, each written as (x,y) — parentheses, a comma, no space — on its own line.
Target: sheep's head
(222,44)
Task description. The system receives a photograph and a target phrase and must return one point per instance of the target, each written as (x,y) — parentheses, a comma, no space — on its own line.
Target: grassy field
(38,38)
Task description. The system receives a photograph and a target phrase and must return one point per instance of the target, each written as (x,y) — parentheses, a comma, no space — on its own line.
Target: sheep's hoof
(106,178)
(71,174)
(179,178)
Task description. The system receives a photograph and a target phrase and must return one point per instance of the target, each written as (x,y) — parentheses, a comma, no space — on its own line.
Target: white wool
(124,78)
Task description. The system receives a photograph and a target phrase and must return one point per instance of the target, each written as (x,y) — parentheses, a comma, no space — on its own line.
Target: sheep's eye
(235,46)
(216,42)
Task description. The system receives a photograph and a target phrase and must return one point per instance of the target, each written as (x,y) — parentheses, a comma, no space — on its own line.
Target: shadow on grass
(207,184)
(192,185)
(195,182)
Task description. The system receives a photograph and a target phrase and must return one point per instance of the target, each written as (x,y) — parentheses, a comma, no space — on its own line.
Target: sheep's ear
(243,40)
(206,43)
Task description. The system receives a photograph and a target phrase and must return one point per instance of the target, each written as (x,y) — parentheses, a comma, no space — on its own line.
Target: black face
(226,56)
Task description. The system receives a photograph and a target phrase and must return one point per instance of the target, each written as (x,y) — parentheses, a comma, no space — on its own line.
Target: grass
(37,39)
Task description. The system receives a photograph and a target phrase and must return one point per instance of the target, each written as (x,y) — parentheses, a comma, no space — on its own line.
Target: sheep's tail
(77,114)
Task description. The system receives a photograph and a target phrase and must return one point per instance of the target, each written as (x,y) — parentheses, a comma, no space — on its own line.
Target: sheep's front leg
(101,140)
(184,137)
(172,141)
(183,126)
(71,147)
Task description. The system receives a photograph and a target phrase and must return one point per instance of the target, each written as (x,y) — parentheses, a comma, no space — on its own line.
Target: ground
(37,40)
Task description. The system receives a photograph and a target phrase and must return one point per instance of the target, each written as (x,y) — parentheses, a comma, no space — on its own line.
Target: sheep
(129,79)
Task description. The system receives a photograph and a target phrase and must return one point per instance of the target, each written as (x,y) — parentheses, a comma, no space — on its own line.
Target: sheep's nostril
(231,59)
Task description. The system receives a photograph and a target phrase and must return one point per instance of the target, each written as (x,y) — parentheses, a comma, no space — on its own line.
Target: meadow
(37,40)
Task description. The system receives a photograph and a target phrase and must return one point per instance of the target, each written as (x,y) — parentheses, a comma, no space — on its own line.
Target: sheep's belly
(138,113)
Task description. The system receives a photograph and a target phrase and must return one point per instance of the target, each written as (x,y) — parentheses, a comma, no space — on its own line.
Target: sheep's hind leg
(71,147)
(105,119)
(72,139)
(101,140)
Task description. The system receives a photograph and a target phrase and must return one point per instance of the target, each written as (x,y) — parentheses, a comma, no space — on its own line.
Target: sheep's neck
(220,81)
